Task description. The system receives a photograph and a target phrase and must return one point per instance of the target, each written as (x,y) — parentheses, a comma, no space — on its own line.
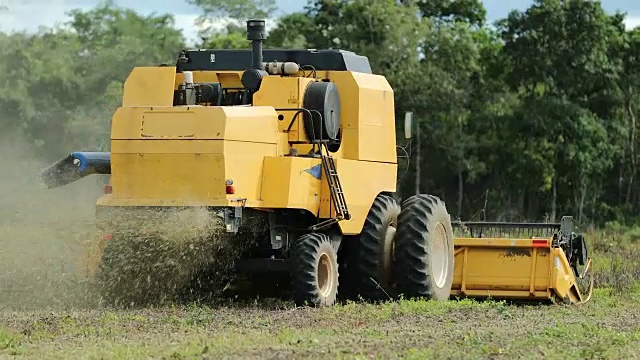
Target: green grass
(607,327)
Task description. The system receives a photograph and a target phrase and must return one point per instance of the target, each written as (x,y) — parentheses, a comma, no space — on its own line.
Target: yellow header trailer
(530,262)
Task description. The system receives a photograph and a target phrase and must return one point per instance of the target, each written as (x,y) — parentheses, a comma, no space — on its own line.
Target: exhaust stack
(256,32)
(252,78)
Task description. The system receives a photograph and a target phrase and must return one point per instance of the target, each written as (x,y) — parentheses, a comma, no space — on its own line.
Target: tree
(561,48)
(471,12)
(292,31)
(562,53)
(628,84)
(63,84)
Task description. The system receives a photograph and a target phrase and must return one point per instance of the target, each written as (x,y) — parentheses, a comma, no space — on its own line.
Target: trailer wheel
(424,249)
(374,252)
(314,271)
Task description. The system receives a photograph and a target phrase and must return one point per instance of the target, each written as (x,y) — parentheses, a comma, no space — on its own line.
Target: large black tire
(424,249)
(374,253)
(314,272)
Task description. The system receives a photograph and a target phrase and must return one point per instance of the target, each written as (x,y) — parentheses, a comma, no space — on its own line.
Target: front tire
(424,249)
(314,272)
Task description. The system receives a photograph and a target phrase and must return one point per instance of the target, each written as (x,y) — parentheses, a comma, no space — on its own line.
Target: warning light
(230,188)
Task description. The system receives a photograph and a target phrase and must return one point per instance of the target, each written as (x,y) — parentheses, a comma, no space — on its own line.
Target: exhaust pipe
(75,167)
(256,32)
(252,78)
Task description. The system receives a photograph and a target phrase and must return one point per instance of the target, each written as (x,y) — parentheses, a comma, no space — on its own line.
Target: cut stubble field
(605,328)
(48,311)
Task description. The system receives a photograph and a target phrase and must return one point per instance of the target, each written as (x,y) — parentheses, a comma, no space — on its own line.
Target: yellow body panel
(149,86)
(361,182)
(163,155)
(285,92)
(288,182)
(184,155)
(247,124)
(525,269)
(368,117)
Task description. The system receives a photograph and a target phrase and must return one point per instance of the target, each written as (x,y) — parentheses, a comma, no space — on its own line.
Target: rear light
(107,237)
(230,188)
(107,189)
(540,243)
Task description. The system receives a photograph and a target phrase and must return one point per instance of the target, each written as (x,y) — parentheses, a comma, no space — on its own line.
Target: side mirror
(408,124)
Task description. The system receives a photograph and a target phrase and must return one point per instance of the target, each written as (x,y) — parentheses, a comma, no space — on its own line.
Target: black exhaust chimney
(252,78)
(256,32)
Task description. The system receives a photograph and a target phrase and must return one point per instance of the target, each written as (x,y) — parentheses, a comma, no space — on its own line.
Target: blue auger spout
(76,166)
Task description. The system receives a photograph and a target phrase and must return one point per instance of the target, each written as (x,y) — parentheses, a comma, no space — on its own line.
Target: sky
(30,14)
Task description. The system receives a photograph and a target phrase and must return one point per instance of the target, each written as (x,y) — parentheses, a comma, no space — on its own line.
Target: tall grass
(616,254)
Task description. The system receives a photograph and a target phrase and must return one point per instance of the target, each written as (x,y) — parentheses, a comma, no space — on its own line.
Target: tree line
(525,119)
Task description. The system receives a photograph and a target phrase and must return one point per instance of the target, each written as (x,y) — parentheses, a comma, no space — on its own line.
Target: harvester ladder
(335,189)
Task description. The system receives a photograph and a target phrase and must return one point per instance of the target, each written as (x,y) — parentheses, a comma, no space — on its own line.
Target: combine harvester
(305,142)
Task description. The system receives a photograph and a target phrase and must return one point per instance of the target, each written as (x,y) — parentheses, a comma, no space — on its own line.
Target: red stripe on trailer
(540,243)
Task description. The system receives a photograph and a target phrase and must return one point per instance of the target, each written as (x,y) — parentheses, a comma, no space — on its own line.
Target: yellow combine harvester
(302,143)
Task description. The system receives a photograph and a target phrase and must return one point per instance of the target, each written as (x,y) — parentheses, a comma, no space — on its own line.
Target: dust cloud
(45,233)
(42,233)
(171,256)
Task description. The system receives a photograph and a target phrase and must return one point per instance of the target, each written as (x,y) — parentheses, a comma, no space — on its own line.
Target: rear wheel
(374,253)
(424,249)
(314,272)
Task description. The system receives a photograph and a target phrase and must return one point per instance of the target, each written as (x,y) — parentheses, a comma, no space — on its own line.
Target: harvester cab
(296,148)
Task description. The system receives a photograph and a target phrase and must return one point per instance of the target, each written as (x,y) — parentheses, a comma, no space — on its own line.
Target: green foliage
(232,39)
(468,11)
(292,32)
(561,47)
(62,84)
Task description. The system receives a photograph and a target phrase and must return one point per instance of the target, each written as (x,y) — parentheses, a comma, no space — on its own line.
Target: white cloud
(29,15)
(632,21)
(187,23)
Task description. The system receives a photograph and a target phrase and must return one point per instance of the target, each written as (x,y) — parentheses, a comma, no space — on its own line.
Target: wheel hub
(388,253)
(325,277)
(439,258)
